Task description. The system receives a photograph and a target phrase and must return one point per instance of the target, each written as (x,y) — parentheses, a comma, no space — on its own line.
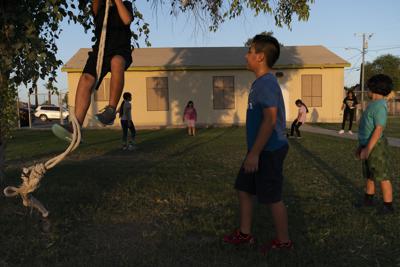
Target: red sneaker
(237,238)
(275,244)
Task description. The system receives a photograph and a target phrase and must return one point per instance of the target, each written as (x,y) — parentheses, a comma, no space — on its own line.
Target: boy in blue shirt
(261,172)
(373,147)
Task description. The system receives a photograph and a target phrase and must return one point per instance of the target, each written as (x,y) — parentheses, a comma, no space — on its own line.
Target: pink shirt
(302,114)
(190,114)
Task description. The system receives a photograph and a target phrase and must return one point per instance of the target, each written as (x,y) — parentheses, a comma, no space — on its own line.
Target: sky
(334,24)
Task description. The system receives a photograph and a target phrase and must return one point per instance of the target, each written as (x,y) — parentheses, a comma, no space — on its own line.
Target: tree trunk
(3,88)
(2,161)
(49,95)
(36,96)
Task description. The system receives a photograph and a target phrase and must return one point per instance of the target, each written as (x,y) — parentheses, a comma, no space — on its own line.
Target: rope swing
(31,176)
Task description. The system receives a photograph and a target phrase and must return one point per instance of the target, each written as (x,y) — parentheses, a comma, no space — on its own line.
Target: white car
(50,112)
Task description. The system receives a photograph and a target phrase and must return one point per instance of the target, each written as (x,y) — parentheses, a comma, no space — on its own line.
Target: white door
(285,93)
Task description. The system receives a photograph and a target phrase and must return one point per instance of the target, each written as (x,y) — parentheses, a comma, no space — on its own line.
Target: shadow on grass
(328,170)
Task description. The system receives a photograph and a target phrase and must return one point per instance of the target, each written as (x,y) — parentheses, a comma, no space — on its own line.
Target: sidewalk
(313,129)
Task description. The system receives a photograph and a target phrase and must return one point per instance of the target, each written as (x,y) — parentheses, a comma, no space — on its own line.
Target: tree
(29,30)
(386,64)
(65,100)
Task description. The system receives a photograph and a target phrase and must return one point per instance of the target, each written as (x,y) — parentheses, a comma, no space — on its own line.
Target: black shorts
(91,62)
(266,183)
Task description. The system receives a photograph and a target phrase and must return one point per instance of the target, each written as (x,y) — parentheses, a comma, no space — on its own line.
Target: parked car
(24,117)
(50,112)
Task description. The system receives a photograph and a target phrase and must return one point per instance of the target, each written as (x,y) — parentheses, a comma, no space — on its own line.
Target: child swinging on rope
(117,58)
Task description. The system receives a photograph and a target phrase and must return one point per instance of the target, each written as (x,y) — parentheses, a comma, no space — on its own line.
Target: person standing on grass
(349,106)
(125,113)
(261,172)
(190,117)
(373,147)
(301,118)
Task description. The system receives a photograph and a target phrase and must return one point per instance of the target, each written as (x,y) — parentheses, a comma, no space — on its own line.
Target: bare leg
(188,130)
(370,187)
(386,187)
(246,212)
(83,94)
(194,131)
(279,215)
(117,79)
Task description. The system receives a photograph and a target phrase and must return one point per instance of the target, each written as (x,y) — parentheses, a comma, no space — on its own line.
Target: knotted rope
(32,175)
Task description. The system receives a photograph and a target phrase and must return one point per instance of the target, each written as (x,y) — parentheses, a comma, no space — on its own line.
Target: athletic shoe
(365,203)
(385,210)
(63,132)
(237,238)
(341,132)
(276,245)
(292,136)
(131,146)
(107,116)
(350,132)
(299,137)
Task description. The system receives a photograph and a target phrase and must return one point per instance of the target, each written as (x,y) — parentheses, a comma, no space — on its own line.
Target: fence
(56,110)
(393,101)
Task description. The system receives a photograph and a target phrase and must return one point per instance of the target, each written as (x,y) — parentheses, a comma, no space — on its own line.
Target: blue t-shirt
(266,93)
(375,114)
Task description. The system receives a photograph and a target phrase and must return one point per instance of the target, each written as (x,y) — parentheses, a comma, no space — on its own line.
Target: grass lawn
(170,202)
(392,127)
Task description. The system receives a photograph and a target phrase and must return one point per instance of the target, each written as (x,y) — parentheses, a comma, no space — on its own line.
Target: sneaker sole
(104,124)
(61,133)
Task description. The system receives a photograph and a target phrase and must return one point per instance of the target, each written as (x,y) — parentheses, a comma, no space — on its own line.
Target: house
(163,80)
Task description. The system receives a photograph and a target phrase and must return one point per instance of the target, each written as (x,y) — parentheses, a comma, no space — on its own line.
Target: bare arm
(129,112)
(95,6)
(343,105)
(299,115)
(376,135)
(123,12)
(264,133)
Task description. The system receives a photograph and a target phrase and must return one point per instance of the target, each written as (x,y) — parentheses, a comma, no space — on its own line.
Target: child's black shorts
(91,62)
(266,183)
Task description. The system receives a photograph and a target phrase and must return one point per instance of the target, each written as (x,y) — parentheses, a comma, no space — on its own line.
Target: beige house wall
(198,86)
(332,93)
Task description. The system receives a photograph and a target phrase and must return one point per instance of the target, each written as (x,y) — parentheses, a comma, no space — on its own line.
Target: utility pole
(365,38)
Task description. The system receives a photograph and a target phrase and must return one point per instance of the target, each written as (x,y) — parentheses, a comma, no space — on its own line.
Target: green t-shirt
(374,115)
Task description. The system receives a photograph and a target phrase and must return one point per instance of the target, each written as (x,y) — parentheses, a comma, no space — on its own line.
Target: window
(157,93)
(224,92)
(311,90)
(103,93)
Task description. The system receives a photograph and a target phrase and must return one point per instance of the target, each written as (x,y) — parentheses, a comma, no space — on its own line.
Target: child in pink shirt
(190,117)
(301,118)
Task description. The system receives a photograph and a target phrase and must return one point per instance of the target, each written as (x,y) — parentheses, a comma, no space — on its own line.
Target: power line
(389,48)
(352,57)
(387,45)
(353,69)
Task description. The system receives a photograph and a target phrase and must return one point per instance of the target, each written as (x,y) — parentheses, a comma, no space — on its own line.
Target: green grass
(392,127)
(170,202)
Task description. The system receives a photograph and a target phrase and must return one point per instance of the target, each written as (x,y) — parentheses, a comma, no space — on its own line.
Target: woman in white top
(125,111)
(301,118)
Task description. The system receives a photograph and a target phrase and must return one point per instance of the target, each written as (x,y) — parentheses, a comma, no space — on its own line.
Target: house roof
(198,58)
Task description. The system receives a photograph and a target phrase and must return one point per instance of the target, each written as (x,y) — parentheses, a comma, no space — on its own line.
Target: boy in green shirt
(373,147)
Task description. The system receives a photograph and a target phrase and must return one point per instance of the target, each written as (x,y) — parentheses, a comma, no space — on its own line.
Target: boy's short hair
(380,84)
(127,95)
(269,46)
